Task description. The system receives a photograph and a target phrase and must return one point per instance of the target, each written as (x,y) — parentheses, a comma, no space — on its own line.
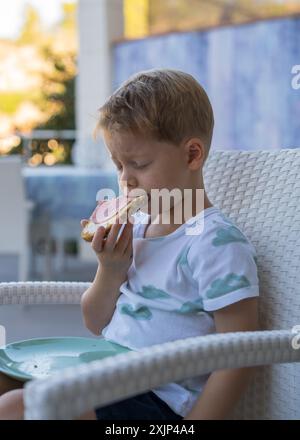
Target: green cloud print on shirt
(228,235)
(231,282)
(182,260)
(141,313)
(151,292)
(191,307)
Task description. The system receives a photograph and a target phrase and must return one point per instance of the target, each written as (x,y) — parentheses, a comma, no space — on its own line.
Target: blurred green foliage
(55,52)
(10,101)
(62,81)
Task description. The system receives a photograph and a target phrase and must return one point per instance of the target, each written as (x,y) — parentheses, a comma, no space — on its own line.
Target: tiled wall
(246,71)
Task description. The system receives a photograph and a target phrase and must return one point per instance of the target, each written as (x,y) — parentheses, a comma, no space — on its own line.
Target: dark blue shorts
(145,406)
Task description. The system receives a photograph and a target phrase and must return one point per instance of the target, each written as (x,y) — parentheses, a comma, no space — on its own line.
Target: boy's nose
(135,191)
(129,185)
(127,190)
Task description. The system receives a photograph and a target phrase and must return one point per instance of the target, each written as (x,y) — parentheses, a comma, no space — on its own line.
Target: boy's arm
(99,301)
(224,388)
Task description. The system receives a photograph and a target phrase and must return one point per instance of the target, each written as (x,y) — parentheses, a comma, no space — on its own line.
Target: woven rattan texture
(260,192)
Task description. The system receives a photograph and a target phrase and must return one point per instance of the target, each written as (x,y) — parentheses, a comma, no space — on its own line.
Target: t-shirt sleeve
(223,264)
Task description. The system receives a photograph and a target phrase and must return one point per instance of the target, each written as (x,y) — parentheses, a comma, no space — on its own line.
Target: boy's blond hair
(165,104)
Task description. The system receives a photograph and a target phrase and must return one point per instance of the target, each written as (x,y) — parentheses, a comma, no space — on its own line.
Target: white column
(100,22)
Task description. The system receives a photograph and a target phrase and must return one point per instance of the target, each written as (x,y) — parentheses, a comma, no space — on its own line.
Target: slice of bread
(132,204)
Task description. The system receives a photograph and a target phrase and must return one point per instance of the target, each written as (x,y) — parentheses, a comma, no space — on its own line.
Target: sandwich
(112,211)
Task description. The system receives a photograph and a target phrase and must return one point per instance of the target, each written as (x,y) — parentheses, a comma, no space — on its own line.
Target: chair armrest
(40,292)
(77,390)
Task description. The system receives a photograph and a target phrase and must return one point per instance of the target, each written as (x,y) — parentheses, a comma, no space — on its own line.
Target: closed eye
(139,167)
(135,165)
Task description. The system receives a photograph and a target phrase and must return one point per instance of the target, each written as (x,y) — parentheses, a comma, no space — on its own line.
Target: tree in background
(31,31)
(58,101)
(58,96)
(49,56)
(58,91)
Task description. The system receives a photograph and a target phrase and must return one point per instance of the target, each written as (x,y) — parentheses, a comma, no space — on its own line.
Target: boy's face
(147,164)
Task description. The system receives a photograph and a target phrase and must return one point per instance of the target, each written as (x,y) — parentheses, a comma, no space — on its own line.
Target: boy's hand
(114,256)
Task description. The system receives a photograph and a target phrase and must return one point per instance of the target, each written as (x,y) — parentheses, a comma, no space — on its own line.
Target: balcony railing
(44,135)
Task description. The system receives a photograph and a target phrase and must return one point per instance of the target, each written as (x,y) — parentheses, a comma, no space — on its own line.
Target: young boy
(157,281)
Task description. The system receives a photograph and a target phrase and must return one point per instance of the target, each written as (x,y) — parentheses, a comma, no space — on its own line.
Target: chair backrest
(260,192)
(12,206)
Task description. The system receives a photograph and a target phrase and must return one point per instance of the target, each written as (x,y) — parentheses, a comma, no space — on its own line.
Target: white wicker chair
(260,192)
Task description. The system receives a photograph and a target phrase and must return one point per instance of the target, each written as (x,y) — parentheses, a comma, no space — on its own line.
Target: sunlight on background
(38,60)
(38,50)
(12,12)
(150,17)
(136,13)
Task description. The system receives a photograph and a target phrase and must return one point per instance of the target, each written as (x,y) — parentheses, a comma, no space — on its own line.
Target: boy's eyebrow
(129,160)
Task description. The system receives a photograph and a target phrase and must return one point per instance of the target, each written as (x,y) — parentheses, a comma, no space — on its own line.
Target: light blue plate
(40,358)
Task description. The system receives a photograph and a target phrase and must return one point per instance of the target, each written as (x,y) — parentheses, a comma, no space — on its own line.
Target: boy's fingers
(125,239)
(114,239)
(112,236)
(129,247)
(97,242)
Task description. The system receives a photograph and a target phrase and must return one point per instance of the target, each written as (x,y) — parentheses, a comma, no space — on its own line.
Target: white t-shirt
(174,284)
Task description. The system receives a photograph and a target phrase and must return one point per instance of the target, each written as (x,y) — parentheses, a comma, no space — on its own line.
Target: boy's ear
(195,153)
